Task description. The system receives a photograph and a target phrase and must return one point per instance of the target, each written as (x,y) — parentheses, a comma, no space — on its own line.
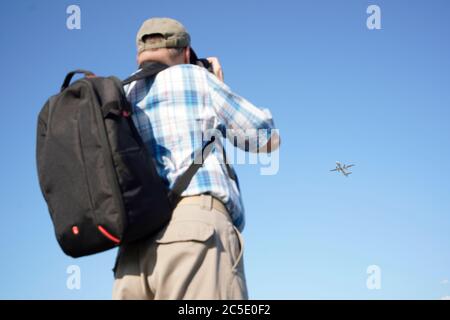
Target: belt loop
(206,202)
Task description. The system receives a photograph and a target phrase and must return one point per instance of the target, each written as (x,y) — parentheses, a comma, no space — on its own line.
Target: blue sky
(338,92)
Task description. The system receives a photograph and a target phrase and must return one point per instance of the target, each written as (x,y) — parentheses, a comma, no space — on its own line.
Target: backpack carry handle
(70,75)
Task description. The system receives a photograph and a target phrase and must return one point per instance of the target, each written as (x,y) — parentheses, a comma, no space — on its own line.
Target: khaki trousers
(198,255)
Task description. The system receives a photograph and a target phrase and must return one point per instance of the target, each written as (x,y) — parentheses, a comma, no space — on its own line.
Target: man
(198,255)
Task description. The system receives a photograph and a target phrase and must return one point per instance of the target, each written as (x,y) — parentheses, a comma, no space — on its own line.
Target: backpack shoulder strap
(183,181)
(147,70)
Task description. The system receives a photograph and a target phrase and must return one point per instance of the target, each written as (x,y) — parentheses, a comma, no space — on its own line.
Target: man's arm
(271,145)
(248,127)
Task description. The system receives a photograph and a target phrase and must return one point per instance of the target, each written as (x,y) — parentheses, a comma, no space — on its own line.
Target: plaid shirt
(174,110)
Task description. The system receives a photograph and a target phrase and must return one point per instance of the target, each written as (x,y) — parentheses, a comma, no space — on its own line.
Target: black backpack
(97,177)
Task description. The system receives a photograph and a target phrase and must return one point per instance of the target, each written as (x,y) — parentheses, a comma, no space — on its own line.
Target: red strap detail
(108,235)
(125,113)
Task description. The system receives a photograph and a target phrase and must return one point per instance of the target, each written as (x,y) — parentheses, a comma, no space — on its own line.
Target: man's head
(163,40)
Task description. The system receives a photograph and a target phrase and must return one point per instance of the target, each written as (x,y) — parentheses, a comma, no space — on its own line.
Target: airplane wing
(349,166)
(334,169)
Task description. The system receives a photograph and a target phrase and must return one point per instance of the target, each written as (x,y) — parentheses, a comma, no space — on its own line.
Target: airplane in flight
(343,168)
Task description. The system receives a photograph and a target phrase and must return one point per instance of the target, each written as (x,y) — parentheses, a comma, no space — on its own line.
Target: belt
(205,201)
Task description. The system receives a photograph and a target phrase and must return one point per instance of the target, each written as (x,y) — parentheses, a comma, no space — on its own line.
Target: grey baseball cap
(174,33)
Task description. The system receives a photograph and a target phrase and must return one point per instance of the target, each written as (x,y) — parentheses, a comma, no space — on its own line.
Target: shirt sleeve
(245,125)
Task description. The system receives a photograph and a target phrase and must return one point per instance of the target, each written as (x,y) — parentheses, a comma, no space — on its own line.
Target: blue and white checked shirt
(174,110)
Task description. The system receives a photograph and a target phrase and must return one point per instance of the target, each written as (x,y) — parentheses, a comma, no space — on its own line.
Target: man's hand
(216,67)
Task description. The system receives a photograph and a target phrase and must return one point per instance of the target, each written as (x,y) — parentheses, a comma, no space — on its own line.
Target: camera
(204,62)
